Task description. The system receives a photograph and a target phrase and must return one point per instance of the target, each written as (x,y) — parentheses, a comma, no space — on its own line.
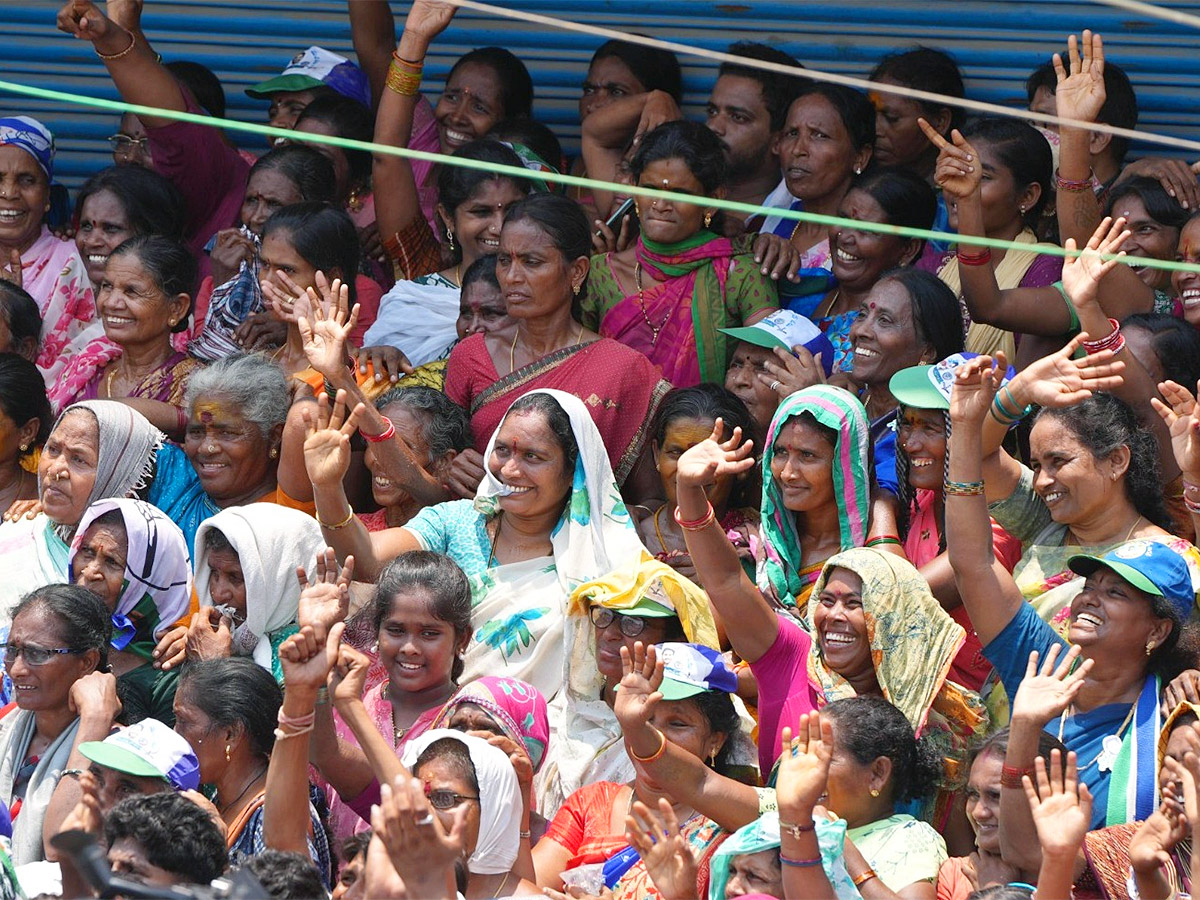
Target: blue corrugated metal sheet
(997,42)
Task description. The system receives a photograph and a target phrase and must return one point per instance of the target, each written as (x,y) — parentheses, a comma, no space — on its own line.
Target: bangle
(183,418)
(1010,777)
(341,524)
(800,863)
(884,539)
(322,696)
(700,524)
(386,435)
(1013,400)
(330,391)
(125,52)
(963,488)
(1001,415)
(1114,340)
(524,835)
(797,830)
(298,722)
(978,259)
(281,735)
(662,748)
(404,77)
(865,876)
(1073,187)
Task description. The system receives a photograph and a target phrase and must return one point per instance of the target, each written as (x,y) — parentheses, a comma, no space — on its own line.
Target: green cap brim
(648,608)
(756,336)
(281,83)
(679,690)
(1085,565)
(911,387)
(119,759)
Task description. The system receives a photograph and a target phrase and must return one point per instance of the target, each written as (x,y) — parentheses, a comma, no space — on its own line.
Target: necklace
(512,351)
(1109,747)
(828,305)
(655,330)
(249,784)
(1072,539)
(502,884)
(662,542)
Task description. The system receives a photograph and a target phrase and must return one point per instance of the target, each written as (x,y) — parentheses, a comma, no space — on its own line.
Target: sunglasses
(631,626)
(123,143)
(441,799)
(34,655)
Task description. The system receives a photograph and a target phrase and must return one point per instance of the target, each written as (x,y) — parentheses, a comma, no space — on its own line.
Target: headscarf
(158,576)
(499,800)
(125,453)
(271,541)
(840,410)
(763,834)
(31,136)
(517,707)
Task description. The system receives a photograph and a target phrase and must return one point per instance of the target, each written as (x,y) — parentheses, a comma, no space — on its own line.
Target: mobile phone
(624,209)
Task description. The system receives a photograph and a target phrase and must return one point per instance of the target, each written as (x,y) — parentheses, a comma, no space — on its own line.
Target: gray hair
(445,425)
(255,385)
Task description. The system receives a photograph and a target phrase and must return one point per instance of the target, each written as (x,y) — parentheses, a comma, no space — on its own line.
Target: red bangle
(1075,187)
(696,524)
(183,419)
(978,259)
(1010,777)
(1113,341)
(386,435)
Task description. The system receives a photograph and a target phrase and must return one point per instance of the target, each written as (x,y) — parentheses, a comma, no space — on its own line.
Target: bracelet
(1010,777)
(1073,187)
(281,735)
(797,830)
(183,418)
(697,524)
(662,748)
(125,52)
(800,863)
(330,391)
(865,876)
(322,696)
(341,524)
(298,722)
(1013,400)
(963,488)
(386,435)
(980,259)
(524,835)
(1114,341)
(1001,415)
(884,539)
(404,77)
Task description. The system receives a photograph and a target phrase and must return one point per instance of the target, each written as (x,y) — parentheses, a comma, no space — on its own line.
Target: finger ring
(426,819)
(775,385)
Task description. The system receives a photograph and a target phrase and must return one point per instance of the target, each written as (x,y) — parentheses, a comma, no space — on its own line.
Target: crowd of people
(382,528)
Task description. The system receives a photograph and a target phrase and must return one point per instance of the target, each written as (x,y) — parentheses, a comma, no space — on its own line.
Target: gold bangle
(406,83)
(865,876)
(125,52)
(341,524)
(662,748)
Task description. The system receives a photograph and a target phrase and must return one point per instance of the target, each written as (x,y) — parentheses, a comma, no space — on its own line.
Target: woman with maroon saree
(670,294)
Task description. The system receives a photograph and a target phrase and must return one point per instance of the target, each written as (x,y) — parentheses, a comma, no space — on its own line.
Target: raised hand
(1047,691)
(83,19)
(348,676)
(1080,92)
(87,815)
(415,838)
(958,171)
(1058,380)
(327,439)
(804,767)
(975,384)
(639,694)
(287,300)
(713,458)
(95,696)
(663,849)
(1061,805)
(790,372)
(1182,418)
(1082,274)
(326,334)
(308,656)
(1151,846)
(326,599)
(231,249)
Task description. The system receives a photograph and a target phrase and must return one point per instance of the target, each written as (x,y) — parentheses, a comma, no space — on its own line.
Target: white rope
(817,75)
(1155,12)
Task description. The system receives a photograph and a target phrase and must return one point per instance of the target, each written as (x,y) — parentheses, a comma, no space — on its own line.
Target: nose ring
(60,476)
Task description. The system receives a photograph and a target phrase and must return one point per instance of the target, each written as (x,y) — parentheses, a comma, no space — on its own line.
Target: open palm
(1080,92)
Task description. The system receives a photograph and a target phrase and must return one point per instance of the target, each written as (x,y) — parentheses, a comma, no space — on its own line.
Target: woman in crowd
(548,497)
(686,418)
(1186,284)
(56,653)
(908,318)
(97,449)
(227,709)
(543,268)
(135,559)
(893,197)
(899,141)
(669,294)
(31,256)
(827,140)
(418,315)
(145,297)
(20,322)
(25,420)
(229,309)
(119,203)
(697,714)
(1126,609)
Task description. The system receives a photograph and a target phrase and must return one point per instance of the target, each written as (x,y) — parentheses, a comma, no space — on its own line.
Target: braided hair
(908,497)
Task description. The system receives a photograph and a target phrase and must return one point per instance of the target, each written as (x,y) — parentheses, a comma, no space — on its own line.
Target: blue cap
(690,669)
(787,329)
(1149,566)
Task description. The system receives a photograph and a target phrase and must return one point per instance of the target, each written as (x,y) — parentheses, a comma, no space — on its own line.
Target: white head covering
(499,799)
(271,541)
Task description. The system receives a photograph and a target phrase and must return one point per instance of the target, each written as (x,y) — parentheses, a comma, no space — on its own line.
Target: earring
(1022,209)
(450,238)
(712,758)
(25,447)
(637,209)
(707,219)
(274,453)
(226,753)
(1149,647)
(874,792)
(576,288)
(858,170)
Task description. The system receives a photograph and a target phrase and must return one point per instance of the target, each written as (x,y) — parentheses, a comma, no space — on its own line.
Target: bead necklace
(655,330)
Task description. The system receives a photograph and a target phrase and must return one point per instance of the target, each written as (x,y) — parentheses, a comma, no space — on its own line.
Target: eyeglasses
(631,626)
(123,143)
(34,655)
(445,799)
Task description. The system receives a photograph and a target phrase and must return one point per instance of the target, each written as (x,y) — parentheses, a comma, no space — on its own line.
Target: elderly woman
(144,298)
(25,419)
(669,294)
(131,556)
(51,270)
(1126,608)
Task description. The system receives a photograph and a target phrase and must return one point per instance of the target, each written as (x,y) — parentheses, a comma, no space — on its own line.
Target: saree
(619,387)
(17,730)
(701,285)
(54,275)
(81,378)
(228,306)
(246,838)
(418,317)
(900,850)
(781,572)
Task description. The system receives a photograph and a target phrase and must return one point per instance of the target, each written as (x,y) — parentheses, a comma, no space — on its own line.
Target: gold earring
(450,238)
(25,447)
(1149,647)
(712,758)
(576,288)
(707,219)
(874,792)
(226,753)
(274,453)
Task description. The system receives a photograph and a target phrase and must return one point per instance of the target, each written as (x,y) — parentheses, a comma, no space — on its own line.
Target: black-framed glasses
(440,799)
(602,617)
(124,143)
(34,655)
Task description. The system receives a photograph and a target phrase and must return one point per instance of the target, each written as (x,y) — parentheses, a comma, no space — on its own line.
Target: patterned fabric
(414,251)
(53,273)
(782,571)
(620,388)
(31,136)
(700,286)
(836,328)
(250,840)
(901,850)
(519,709)
(81,378)
(231,303)
(419,317)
